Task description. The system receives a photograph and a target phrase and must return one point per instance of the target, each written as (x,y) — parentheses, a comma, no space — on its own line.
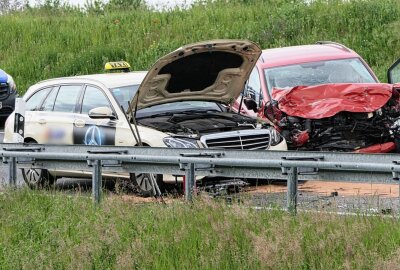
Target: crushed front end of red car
(359,117)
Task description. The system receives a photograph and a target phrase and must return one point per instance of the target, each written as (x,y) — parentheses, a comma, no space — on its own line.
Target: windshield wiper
(177,112)
(156,115)
(199,111)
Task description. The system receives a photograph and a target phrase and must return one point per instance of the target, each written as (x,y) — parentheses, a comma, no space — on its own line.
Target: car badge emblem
(93,136)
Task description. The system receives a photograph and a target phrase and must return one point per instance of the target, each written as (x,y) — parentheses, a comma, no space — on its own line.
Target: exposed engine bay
(377,131)
(198,123)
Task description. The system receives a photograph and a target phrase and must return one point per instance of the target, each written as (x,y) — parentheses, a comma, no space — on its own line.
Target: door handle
(42,121)
(79,123)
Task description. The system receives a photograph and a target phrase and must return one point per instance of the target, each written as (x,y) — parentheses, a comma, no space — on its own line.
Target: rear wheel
(37,178)
(143,182)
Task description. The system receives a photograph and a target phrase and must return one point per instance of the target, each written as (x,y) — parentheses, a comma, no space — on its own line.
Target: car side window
(254,86)
(48,103)
(33,103)
(66,98)
(94,98)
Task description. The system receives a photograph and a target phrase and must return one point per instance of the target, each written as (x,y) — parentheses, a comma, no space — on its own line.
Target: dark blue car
(8,91)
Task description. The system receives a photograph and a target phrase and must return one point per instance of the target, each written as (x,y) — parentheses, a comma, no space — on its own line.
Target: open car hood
(326,100)
(213,70)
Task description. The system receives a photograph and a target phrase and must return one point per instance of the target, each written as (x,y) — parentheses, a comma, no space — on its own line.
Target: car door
(53,121)
(32,112)
(394,73)
(94,131)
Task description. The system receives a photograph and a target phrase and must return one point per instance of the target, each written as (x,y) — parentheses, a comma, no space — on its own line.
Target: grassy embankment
(39,231)
(45,43)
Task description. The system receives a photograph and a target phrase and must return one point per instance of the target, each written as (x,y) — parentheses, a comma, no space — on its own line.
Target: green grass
(58,232)
(42,43)
(39,230)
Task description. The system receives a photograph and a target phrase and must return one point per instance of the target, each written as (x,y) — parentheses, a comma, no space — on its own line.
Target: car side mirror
(394,72)
(101,113)
(251,104)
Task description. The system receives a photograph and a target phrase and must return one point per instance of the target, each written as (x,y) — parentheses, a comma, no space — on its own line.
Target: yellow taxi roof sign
(117,66)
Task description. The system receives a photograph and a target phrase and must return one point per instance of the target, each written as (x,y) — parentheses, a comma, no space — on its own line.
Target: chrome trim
(240,139)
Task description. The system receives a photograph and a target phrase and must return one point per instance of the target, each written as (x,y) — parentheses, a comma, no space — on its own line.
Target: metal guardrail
(290,165)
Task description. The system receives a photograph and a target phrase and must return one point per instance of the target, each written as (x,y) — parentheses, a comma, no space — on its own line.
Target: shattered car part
(216,188)
(324,97)
(360,118)
(326,100)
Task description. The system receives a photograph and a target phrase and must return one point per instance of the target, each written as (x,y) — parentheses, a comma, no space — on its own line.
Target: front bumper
(378,148)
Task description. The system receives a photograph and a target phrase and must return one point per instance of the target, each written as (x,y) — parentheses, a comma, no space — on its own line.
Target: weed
(45,231)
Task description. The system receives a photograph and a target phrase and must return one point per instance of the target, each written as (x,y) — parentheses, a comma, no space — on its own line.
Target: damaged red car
(324,97)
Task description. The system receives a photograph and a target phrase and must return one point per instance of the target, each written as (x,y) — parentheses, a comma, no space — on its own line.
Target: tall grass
(41,231)
(41,43)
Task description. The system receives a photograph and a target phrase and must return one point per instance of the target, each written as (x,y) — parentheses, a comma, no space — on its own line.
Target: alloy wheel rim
(33,176)
(144,182)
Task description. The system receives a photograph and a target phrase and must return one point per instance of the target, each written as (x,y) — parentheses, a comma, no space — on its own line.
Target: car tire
(38,178)
(143,183)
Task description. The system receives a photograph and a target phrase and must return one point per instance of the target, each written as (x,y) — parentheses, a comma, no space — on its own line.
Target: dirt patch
(342,188)
(314,187)
(138,199)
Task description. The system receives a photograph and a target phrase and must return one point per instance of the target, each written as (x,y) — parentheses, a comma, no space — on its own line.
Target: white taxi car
(181,102)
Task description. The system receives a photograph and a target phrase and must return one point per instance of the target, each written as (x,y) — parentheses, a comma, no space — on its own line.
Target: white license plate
(1,105)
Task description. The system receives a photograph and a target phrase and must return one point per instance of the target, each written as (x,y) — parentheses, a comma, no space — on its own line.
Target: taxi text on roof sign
(117,66)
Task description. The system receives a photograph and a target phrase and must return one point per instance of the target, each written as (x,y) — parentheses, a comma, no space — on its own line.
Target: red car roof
(302,54)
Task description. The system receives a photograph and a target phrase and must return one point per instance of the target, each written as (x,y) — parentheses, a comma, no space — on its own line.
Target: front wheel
(143,182)
(37,178)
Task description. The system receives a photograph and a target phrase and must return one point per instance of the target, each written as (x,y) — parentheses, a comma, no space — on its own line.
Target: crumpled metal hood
(213,70)
(326,100)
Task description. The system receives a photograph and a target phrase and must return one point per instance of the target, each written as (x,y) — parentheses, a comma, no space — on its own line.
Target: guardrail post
(96,181)
(292,182)
(12,173)
(189,181)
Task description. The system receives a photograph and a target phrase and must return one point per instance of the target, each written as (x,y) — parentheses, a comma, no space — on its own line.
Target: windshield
(179,107)
(314,73)
(124,94)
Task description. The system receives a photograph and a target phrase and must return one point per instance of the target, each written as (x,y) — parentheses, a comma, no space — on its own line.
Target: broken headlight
(175,142)
(276,137)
